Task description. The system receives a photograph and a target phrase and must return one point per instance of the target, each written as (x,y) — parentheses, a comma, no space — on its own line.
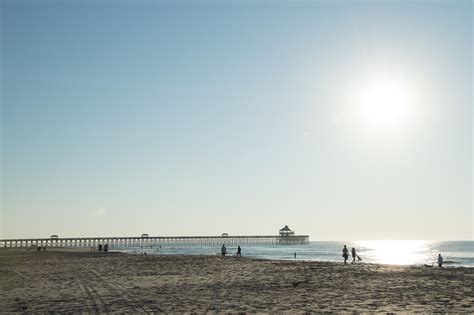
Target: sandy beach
(60,280)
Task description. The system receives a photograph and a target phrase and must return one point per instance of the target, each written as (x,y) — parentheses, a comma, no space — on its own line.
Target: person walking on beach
(239,251)
(223,250)
(440,261)
(345,254)
(100,247)
(353,252)
(106,247)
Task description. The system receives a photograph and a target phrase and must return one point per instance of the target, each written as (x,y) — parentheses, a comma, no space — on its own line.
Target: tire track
(221,290)
(91,301)
(98,298)
(118,290)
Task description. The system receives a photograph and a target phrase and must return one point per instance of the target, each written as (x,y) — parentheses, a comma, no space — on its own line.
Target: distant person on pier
(100,247)
(354,255)
(106,247)
(345,254)
(223,250)
(440,261)
(239,251)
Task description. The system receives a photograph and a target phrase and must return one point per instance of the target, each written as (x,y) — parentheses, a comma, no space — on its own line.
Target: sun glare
(395,252)
(385,104)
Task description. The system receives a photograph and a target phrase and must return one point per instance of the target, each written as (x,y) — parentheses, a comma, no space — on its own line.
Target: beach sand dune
(62,281)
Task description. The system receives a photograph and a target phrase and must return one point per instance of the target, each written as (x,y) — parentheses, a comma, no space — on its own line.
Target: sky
(346,120)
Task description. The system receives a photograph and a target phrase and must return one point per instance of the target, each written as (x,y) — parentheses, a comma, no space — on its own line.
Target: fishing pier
(285,237)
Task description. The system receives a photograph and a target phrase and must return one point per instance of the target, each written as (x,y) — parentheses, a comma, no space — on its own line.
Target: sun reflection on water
(395,252)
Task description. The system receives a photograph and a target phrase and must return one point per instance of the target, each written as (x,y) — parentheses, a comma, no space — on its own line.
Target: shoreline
(446,265)
(63,280)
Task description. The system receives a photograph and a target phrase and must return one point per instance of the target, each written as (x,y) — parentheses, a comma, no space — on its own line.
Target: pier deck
(154,241)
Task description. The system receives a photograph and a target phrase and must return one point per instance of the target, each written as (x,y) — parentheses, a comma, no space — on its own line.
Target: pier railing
(155,241)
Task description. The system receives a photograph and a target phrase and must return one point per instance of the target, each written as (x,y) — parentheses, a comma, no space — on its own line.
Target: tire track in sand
(221,289)
(118,290)
(92,298)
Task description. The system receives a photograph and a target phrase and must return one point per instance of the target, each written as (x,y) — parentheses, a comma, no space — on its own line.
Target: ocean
(455,253)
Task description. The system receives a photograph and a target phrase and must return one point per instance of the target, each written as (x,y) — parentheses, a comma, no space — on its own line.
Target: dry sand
(62,281)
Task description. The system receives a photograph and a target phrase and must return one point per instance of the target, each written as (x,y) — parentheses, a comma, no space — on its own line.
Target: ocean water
(455,253)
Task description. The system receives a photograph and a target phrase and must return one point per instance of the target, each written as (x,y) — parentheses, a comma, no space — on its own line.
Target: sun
(385,104)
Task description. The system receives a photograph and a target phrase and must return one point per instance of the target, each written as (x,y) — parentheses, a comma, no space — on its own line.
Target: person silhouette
(239,251)
(223,250)
(353,252)
(345,254)
(440,261)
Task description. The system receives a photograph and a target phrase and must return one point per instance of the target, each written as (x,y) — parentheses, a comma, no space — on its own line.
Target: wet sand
(61,281)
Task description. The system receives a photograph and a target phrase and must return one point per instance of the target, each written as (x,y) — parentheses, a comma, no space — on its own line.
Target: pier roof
(285,229)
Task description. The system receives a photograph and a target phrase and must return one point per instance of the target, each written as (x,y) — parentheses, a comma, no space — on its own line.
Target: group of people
(345,254)
(224,251)
(100,247)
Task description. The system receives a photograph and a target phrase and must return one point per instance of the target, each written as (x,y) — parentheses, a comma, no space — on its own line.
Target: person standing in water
(239,251)
(223,250)
(345,254)
(440,261)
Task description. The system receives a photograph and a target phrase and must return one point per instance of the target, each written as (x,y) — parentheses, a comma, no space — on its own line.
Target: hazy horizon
(344,120)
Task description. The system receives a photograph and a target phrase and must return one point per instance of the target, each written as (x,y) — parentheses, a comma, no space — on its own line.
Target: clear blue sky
(187,117)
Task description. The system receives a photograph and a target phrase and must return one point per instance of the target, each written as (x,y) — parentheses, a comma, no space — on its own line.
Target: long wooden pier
(155,241)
